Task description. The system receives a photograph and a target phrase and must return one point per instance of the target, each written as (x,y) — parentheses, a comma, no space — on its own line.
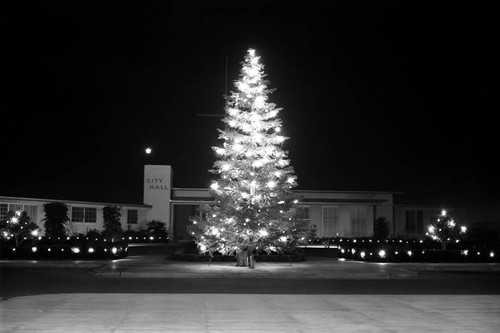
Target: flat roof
(73,201)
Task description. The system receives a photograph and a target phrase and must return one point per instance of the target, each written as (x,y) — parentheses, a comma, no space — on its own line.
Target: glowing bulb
(252,71)
(443,212)
(463,229)
(271,184)
(382,253)
(148,150)
(259,102)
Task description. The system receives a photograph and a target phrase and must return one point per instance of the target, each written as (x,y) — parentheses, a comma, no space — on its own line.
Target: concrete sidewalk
(250,313)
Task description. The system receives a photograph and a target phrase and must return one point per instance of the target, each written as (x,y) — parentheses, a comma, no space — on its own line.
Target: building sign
(157,192)
(157,184)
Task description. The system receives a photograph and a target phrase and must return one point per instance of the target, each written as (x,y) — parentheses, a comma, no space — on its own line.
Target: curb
(155,275)
(253,274)
(456,269)
(53,264)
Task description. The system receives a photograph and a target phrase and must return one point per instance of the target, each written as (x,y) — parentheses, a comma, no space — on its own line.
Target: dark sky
(376,95)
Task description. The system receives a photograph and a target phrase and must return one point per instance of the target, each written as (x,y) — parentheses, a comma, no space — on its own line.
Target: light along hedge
(73,248)
(401,250)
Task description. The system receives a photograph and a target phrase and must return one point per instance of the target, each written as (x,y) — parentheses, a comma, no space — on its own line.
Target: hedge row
(72,249)
(417,254)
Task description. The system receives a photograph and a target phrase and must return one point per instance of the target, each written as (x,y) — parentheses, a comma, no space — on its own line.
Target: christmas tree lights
(445,229)
(18,226)
(254,207)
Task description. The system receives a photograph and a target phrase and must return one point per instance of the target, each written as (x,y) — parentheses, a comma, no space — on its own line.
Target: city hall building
(334,213)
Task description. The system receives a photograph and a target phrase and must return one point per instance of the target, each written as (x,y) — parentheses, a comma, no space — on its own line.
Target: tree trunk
(241,259)
(251,261)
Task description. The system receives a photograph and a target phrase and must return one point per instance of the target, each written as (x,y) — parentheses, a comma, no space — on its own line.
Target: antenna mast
(226,76)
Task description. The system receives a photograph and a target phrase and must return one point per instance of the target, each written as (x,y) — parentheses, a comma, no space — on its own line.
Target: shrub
(112,224)
(381,228)
(56,215)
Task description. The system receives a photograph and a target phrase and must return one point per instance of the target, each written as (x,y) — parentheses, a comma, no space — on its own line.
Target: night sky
(376,95)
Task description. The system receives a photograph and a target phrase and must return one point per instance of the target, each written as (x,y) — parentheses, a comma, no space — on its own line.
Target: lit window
(77,214)
(359,221)
(4,208)
(132,216)
(84,214)
(31,211)
(414,222)
(330,221)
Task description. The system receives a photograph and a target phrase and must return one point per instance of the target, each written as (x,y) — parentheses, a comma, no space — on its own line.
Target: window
(4,208)
(132,216)
(84,214)
(414,222)
(330,221)
(31,210)
(90,215)
(77,214)
(304,214)
(359,219)
(15,207)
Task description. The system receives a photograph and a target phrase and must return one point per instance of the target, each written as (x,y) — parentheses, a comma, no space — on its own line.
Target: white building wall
(79,227)
(157,192)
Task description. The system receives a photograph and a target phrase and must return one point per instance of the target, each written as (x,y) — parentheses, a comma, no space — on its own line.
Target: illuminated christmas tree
(18,226)
(445,229)
(254,207)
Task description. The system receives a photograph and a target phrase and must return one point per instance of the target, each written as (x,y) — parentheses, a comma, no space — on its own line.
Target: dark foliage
(56,216)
